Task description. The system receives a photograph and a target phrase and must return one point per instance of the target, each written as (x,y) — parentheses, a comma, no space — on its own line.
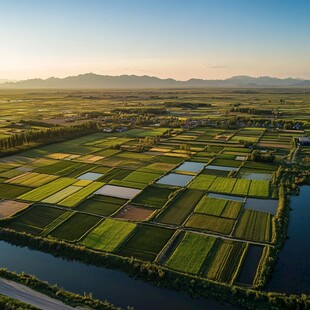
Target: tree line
(47,135)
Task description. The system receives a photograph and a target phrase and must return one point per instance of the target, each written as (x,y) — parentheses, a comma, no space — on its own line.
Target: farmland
(175,196)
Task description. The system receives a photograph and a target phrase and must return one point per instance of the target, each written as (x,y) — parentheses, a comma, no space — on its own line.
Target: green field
(10,191)
(101,205)
(146,243)
(154,196)
(34,220)
(254,225)
(210,223)
(47,190)
(202,182)
(191,253)
(210,205)
(75,227)
(224,263)
(81,194)
(259,188)
(180,207)
(109,235)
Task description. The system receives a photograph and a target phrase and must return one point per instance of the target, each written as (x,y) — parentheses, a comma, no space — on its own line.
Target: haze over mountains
(91,80)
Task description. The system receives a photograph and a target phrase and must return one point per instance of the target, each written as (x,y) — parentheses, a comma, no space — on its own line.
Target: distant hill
(91,80)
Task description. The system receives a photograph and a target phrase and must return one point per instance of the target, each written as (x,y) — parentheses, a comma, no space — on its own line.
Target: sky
(181,39)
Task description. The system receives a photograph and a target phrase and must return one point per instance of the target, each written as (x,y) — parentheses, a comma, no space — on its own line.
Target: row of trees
(47,136)
(266,157)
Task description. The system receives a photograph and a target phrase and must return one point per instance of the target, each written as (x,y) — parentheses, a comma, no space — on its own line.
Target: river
(113,285)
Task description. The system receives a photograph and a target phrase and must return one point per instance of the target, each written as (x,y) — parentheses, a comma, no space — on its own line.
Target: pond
(175,179)
(265,205)
(228,197)
(222,168)
(255,176)
(90,176)
(190,166)
(118,191)
(249,267)
(113,285)
(292,273)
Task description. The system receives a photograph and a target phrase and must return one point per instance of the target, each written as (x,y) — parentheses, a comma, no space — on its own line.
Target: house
(304,141)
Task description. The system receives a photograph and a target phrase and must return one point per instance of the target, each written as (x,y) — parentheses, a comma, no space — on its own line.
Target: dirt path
(30,296)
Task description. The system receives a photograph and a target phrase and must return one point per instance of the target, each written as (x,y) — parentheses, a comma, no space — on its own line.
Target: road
(30,296)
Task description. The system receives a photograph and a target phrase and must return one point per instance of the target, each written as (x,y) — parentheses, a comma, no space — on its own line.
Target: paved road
(30,296)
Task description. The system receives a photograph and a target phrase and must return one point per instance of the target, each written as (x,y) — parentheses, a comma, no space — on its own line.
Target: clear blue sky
(169,38)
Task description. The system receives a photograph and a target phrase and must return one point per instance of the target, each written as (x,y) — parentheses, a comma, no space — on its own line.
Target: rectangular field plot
(249,267)
(222,185)
(211,223)
(102,205)
(259,188)
(174,179)
(180,207)
(62,194)
(10,207)
(115,174)
(75,226)
(109,235)
(61,168)
(190,167)
(241,187)
(154,196)
(10,191)
(254,225)
(78,196)
(142,177)
(223,264)
(190,254)
(46,190)
(134,213)
(211,206)
(90,176)
(146,243)
(264,205)
(34,220)
(32,179)
(118,191)
(202,182)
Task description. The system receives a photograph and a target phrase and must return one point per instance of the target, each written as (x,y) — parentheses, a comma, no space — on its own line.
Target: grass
(10,191)
(191,253)
(211,223)
(202,182)
(225,261)
(34,220)
(154,196)
(254,225)
(180,207)
(47,190)
(222,185)
(146,243)
(259,188)
(104,205)
(75,227)
(108,235)
(83,193)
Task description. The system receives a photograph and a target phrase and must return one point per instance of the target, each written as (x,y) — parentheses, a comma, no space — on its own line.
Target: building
(304,141)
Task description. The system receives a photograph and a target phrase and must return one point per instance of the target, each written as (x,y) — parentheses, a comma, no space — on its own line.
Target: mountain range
(95,81)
